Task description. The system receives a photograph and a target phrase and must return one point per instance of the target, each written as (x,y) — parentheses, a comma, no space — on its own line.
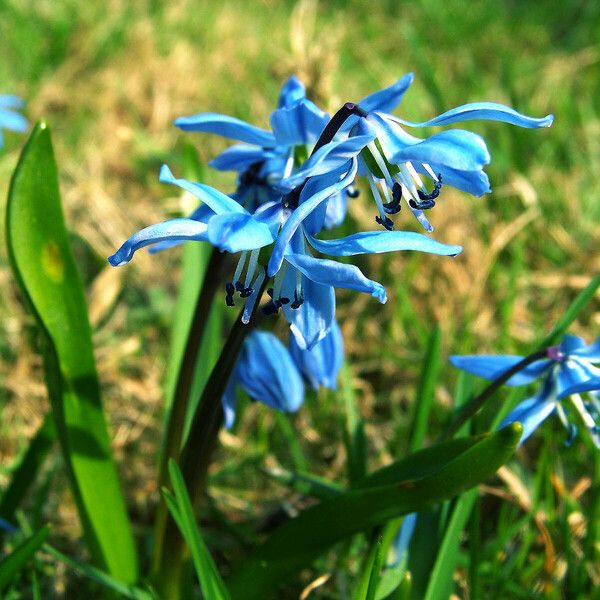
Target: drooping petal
(13,121)
(326,159)
(239,157)
(202,214)
(218,202)
(301,123)
(376,242)
(530,413)
(11,101)
(291,91)
(268,374)
(387,99)
(299,214)
(311,322)
(228,127)
(591,385)
(330,272)
(236,232)
(483,111)
(456,148)
(492,366)
(172,230)
(475,182)
(321,364)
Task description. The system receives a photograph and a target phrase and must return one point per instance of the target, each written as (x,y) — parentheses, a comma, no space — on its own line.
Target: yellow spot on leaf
(52,263)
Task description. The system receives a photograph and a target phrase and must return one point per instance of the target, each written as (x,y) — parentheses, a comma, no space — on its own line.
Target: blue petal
(299,124)
(493,365)
(375,242)
(530,413)
(228,400)
(330,272)
(387,99)
(239,158)
(10,101)
(13,121)
(455,148)
(174,229)
(591,352)
(484,111)
(268,374)
(329,157)
(311,322)
(335,213)
(236,232)
(226,126)
(591,385)
(573,372)
(218,202)
(322,363)
(403,538)
(202,214)
(571,343)
(292,91)
(299,214)
(473,182)
(271,214)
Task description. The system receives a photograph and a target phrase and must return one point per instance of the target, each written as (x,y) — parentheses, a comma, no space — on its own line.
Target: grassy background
(110,77)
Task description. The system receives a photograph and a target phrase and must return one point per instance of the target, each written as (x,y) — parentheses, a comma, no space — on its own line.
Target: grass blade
(45,269)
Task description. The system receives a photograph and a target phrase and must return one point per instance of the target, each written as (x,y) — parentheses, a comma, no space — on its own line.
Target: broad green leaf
(180,506)
(25,473)
(298,542)
(45,269)
(15,561)
(441,578)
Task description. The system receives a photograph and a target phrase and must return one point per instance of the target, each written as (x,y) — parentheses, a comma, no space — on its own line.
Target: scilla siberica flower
(9,118)
(568,371)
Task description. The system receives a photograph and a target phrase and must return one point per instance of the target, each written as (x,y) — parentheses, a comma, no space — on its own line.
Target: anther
(352,192)
(298,301)
(229,292)
(424,205)
(239,286)
(435,192)
(386,222)
(246,292)
(393,207)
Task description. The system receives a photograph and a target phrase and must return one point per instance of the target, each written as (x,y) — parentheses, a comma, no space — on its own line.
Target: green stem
(474,405)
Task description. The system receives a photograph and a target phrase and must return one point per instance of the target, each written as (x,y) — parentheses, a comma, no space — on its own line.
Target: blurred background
(110,78)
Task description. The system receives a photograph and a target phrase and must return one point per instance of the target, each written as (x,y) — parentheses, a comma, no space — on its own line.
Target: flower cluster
(294,182)
(567,372)
(9,117)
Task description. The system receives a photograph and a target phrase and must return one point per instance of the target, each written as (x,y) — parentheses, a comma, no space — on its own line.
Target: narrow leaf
(15,561)
(45,269)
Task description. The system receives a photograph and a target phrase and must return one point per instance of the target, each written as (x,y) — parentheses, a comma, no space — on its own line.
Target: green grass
(110,79)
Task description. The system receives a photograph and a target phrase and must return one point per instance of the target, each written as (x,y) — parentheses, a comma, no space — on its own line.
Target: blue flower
(568,371)
(267,372)
(9,118)
(397,164)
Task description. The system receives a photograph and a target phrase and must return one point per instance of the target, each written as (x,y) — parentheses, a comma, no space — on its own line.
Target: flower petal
(493,365)
(376,242)
(228,400)
(301,123)
(228,127)
(236,232)
(483,111)
(591,352)
(239,157)
(335,212)
(202,214)
(10,101)
(387,99)
(172,230)
(322,363)
(472,182)
(218,202)
(531,413)
(330,272)
(291,91)
(591,385)
(572,372)
(268,374)
(300,213)
(13,121)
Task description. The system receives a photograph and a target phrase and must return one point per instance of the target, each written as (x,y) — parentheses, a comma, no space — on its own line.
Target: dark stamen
(246,292)
(352,192)
(434,193)
(388,223)
(393,207)
(239,286)
(425,205)
(229,292)
(298,301)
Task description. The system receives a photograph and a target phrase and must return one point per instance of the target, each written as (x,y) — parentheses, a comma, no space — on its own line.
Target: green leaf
(441,578)
(368,584)
(181,508)
(299,541)
(25,473)
(15,561)
(45,269)
(306,483)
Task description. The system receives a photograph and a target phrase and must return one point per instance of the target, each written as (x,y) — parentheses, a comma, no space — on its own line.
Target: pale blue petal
(271,214)
(329,157)
(574,371)
(591,352)
(591,385)
(311,322)
(13,121)
(228,400)
(236,232)
(218,202)
(202,214)
(228,127)
(375,242)
(335,213)
(403,538)
(387,99)
(493,365)
(10,101)
(330,272)
(571,343)
(322,363)
(299,124)
(239,158)
(268,374)
(475,182)
(174,229)
(455,148)
(298,215)
(484,111)
(292,91)
(531,413)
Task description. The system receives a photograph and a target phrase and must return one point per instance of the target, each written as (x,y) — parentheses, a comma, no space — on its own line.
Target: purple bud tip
(555,353)
(350,105)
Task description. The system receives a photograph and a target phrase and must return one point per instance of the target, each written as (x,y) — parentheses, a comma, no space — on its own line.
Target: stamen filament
(249,306)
